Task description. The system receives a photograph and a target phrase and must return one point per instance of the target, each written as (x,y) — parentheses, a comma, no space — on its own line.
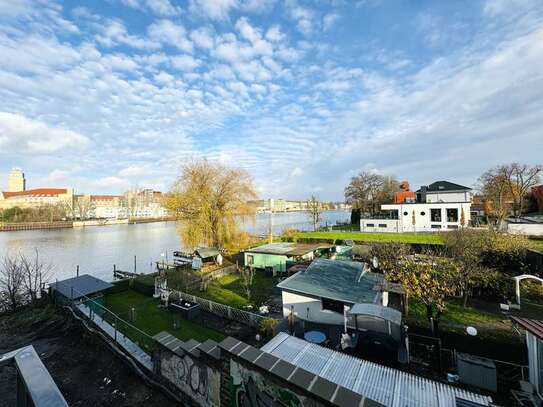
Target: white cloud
(113,32)
(185,63)
(274,34)
(329,20)
(168,32)
(158,7)
(19,134)
(203,37)
(213,9)
(133,171)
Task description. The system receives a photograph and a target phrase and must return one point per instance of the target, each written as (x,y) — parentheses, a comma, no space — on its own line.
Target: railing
(225,311)
(35,385)
(95,312)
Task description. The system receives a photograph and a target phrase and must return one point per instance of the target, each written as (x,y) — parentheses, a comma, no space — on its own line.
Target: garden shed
(77,288)
(277,255)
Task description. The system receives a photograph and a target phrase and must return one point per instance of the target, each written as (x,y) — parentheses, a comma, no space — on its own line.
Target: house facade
(439,206)
(321,292)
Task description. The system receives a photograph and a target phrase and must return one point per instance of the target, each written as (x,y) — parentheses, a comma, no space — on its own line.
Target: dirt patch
(86,371)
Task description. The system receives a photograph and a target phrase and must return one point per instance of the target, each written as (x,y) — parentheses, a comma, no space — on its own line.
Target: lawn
(410,238)
(229,290)
(151,319)
(537,244)
(495,330)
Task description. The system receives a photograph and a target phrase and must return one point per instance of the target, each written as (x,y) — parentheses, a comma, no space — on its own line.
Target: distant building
(405,195)
(145,203)
(34,198)
(16,180)
(439,206)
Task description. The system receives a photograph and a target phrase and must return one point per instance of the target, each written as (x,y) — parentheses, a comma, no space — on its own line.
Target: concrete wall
(379,225)
(101,222)
(233,373)
(530,229)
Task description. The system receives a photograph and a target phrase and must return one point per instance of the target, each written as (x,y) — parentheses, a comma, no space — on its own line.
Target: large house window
(332,305)
(435,215)
(452,215)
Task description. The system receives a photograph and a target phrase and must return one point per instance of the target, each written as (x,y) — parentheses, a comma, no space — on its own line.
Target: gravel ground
(86,371)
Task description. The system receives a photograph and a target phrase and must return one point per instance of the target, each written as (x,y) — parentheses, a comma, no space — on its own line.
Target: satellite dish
(471,331)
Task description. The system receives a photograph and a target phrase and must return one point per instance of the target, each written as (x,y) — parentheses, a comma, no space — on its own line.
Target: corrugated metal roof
(534,326)
(385,385)
(335,279)
(288,248)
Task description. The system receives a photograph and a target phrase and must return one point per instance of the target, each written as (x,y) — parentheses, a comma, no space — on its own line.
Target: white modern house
(439,206)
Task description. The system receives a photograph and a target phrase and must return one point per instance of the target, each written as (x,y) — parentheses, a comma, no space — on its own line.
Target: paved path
(129,346)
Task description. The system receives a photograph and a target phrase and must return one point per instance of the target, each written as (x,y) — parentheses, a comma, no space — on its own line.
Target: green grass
(537,244)
(152,320)
(229,290)
(409,238)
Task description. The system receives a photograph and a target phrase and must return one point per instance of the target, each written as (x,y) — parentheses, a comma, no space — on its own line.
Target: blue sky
(108,95)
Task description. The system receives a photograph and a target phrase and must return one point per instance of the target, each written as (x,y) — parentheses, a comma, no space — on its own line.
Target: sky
(104,96)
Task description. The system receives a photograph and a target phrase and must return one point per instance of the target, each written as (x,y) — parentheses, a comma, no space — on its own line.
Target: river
(96,249)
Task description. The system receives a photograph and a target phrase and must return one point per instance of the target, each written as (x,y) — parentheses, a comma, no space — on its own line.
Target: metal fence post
(115,329)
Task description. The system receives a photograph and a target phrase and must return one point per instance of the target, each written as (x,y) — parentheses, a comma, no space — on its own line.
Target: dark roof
(82,286)
(206,252)
(534,326)
(335,279)
(441,186)
(288,249)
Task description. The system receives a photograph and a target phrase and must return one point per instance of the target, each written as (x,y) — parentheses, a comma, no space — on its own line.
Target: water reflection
(96,249)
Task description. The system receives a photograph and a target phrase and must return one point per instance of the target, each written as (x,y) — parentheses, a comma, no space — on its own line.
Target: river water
(96,249)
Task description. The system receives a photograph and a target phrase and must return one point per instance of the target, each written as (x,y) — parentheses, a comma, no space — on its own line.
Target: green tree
(430,279)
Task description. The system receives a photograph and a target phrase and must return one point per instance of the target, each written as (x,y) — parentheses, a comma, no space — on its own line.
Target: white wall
(531,229)
(432,197)
(533,362)
(423,221)
(379,225)
(316,313)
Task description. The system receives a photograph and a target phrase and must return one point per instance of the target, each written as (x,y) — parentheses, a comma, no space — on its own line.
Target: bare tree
(34,274)
(247,275)
(494,186)
(11,283)
(367,190)
(314,207)
(523,177)
(83,206)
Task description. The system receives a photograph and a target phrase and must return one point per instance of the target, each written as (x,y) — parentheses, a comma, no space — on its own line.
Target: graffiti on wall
(200,382)
(251,389)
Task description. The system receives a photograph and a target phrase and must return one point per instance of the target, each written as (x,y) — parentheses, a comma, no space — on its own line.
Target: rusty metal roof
(534,326)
